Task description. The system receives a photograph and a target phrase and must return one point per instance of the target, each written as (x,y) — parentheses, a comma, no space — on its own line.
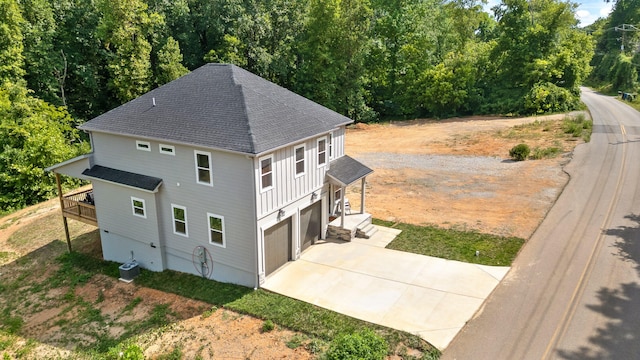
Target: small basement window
(167,149)
(137,205)
(143,145)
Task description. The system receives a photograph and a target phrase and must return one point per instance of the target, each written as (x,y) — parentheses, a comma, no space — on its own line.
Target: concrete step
(367,231)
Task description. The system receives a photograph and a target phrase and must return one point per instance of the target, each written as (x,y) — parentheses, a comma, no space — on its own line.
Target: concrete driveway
(423,295)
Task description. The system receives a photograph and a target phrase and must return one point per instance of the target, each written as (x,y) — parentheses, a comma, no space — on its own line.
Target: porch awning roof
(138,181)
(347,170)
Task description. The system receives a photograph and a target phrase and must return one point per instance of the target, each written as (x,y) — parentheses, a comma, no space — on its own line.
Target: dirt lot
(449,173)
(457,173)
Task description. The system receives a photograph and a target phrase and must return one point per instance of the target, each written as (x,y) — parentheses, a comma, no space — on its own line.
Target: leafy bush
(267,326)
(548,97)
(520,152)
(365,345)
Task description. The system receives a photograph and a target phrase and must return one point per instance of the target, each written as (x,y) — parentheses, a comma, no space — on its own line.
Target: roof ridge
(244,107)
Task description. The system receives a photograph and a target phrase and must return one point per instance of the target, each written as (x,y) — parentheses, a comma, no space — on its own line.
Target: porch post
(342,206)
(362,196)
(64,218)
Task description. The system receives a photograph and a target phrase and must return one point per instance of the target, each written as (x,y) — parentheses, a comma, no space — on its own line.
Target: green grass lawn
(454,244)
(319,326)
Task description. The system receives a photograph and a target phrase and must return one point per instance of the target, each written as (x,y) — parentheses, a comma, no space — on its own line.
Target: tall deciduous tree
(124,28)
(169,63)
(11,48)
(33,135)
(332,56)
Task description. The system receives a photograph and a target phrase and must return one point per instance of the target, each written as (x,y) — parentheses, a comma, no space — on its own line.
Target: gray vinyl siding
(230,196)
(117,222)
(287,187)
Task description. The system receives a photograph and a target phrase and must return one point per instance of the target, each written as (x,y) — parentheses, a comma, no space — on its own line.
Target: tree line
(63,62)
(617,52)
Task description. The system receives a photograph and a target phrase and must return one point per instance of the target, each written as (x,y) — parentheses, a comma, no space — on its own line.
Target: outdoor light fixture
(313,196)
(280,214)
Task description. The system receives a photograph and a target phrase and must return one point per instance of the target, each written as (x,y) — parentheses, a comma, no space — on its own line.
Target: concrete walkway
(423,295)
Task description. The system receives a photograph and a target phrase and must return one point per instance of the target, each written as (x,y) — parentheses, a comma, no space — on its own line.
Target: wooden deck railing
(80,206)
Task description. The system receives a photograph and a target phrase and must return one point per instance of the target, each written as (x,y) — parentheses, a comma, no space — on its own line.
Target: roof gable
(220,106)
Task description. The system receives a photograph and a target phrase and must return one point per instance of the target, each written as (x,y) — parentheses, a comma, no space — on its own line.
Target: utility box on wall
(128,271)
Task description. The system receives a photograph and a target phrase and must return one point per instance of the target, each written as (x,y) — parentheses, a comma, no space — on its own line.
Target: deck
(80,206)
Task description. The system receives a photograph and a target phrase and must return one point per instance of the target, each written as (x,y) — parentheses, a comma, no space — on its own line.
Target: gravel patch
(477,165)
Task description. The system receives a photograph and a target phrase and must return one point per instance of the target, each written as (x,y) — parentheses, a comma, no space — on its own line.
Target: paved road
(573,291)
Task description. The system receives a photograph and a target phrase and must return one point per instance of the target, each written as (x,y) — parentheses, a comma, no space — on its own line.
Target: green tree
(169,63)
(33,135)
(332,54)
(41,58)
(124,28)
(11,48)
(81,73)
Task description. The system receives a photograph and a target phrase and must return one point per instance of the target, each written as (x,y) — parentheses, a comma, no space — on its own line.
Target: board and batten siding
(287,187)
(231,196)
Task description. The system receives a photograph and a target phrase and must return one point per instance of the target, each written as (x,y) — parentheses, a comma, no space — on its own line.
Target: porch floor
(351,221)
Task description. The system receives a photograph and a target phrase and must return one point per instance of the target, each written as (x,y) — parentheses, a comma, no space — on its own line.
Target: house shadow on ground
(620,337)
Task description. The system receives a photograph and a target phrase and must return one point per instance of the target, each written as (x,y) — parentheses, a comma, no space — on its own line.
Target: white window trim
(262,188)
(173,217)
(224,238)
(295,160)
(133,207)
(325,152)
(143,145)
(195,159)
(162,150)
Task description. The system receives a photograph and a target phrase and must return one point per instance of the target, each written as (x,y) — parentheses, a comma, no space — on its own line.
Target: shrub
(520,152)
(267,326)
(365,345)
(547,97)
(546,153)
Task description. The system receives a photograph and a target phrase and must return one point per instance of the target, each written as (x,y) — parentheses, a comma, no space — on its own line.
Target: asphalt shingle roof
(220,106)
(139,181)
(346,170)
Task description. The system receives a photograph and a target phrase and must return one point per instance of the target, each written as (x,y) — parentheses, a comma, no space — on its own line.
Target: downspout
(255,222)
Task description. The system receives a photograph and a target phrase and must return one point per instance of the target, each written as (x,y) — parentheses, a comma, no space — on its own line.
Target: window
(167,149)
(137,205)
(203,168)
(179,214)
(143,145)
(322,152)
(266,173)
(216,229)
(299,154)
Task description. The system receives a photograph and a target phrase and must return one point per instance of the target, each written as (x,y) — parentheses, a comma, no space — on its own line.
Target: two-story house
(219,173)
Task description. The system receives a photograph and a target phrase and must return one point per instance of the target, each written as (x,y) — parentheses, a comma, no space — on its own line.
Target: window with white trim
(137,205)
(322,152)
(179,215)
(167,149)
(216,229)
(299,158)
(143,145)
(266,173)
(203,168)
